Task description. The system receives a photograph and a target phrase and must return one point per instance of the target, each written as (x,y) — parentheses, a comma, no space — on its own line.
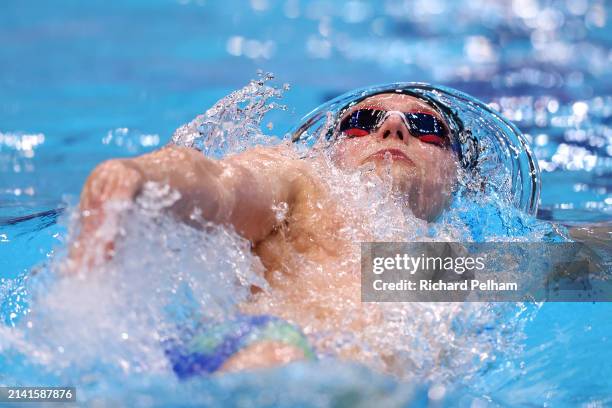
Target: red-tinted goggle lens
(424,126)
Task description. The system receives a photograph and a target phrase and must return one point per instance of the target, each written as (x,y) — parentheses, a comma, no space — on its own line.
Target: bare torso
(312,265)
(306,237)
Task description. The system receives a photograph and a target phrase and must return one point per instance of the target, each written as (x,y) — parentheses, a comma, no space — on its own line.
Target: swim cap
(494,154)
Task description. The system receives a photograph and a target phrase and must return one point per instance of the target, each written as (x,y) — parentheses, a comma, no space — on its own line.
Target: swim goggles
(424,126)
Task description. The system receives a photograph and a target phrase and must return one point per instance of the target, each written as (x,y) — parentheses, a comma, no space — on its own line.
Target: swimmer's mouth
(394,154)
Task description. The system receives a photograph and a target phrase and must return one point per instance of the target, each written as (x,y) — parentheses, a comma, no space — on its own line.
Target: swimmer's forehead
(395,102)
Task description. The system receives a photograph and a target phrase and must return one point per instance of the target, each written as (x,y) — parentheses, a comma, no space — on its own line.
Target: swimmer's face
(405,136)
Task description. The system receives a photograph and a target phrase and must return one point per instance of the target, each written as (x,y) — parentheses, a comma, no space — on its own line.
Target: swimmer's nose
(394,127)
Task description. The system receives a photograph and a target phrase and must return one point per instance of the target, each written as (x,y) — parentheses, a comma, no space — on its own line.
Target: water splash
(164,277)
(234,122)
(167,276)
(436,342)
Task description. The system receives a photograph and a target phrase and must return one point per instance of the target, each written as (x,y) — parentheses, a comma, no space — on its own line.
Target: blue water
(81,82)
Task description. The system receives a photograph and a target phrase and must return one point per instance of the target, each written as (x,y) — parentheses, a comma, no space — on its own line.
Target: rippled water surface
(84,82)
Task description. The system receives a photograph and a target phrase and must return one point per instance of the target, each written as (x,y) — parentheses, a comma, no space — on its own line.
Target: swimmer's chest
(308,233)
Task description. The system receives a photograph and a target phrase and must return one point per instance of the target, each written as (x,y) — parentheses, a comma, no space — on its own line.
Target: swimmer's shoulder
(282,161)
(280,153)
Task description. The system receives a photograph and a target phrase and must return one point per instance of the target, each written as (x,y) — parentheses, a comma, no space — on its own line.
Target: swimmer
(395,134)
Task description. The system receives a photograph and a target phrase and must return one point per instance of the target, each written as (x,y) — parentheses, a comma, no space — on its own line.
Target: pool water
(84,82)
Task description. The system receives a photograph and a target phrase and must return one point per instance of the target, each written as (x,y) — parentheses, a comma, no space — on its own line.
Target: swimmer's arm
(108,188)
(241,191)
